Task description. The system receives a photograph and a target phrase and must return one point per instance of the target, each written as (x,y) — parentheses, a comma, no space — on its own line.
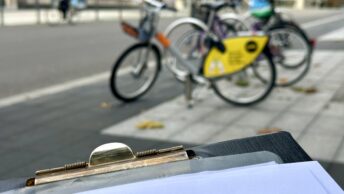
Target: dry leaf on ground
(268,131)
(305,90)
(283,80)
(105,105)
(150,125)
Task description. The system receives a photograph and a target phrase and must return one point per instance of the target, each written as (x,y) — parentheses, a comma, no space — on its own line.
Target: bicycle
(293,67)
(293,48)
(222,69)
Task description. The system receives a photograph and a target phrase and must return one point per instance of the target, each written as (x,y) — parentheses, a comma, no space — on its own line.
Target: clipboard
(279,147)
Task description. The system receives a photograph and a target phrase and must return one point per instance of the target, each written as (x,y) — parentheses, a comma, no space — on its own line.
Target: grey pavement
(57,129)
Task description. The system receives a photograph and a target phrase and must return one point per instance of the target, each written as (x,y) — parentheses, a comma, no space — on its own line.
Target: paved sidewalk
(315,120)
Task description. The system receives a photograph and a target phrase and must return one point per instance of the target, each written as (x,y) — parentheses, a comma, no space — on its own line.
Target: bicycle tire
(299,31)
(117,65)
(237,24)
(264,95)
(305,63)
(179,72)
(192,26)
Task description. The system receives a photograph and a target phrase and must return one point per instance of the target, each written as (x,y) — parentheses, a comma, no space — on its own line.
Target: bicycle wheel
(292,53)
(231,26)
(191,46)
(245,88)
(186,34)
(135,72)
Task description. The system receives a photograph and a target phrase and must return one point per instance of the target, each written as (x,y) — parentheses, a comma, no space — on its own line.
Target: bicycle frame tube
(183,21)
(166,43)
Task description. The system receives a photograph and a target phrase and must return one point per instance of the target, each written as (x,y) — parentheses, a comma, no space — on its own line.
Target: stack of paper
(271,178)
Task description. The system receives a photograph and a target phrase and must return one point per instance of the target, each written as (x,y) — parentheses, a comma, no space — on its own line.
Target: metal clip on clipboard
(109,158)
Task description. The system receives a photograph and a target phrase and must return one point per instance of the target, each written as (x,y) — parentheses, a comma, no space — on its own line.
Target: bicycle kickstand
(188,91)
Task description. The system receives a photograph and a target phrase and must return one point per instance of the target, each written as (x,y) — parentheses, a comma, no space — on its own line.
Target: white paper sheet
(297,178)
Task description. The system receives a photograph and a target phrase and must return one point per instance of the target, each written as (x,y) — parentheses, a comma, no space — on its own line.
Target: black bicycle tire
(307,62)
(261,98)
(117,64)
(302,34)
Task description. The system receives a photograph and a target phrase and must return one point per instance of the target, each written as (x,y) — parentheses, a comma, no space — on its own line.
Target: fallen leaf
(305,90)
(283,81)
(268,131)
(150,125)
(311,90)
(105,105)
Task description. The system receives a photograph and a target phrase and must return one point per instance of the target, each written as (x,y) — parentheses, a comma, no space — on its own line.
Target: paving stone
(321,147)
(307,106)
(334,109)
(274,105)
(340,157)
(234,132)
(198,133)
(194,114)
(325,125)
(293,121)
(257,118)
(339,95)
(225,115)
(215,102)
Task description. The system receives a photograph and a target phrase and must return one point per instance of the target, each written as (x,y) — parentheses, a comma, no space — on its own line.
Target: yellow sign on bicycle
(240,52)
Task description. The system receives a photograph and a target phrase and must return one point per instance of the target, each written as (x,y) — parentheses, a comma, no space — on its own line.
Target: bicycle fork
(142,62)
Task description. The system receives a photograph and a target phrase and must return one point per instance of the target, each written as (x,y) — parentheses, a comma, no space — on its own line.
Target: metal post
(38,12)
(97,10)
(2,4)
(120,11)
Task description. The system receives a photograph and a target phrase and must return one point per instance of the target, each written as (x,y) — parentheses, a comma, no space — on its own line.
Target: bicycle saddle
(215,6)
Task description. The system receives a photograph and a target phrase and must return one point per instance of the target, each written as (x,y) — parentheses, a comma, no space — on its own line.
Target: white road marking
(53,89)
(319,22)
(337,35)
